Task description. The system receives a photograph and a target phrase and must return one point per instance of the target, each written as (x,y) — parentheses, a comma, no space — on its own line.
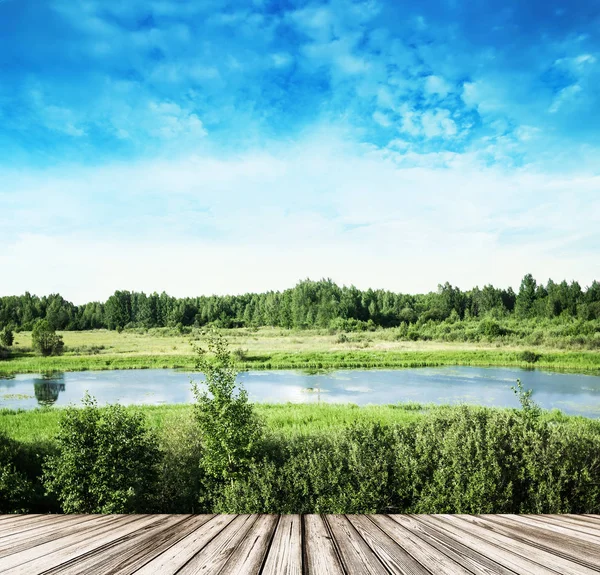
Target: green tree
(44,339)
(230,430)
(525,303)
(6,337)
(107,461)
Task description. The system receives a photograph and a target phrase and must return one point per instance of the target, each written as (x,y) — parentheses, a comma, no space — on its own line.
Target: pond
(571,393)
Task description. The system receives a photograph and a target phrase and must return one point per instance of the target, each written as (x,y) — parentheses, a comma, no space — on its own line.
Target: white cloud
(170,121)
(437,85)
(564,96)
(264,220)
(438,124)
(382,119)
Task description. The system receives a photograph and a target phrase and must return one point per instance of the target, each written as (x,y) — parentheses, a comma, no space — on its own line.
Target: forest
(310,304)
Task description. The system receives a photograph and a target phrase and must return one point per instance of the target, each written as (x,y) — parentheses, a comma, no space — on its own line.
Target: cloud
(317,208)
(564,96)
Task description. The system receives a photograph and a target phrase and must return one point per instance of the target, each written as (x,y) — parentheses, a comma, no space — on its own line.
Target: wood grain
(299,545)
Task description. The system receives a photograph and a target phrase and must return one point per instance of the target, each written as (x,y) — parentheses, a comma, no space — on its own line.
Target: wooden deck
(293,544)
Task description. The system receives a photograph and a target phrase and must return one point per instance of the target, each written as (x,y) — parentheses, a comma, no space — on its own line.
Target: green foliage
(310,304)
(531,410)
(529,356)
(230,430)
(6,337)
(106,462)
(44,339)
(15,488)
(438,460)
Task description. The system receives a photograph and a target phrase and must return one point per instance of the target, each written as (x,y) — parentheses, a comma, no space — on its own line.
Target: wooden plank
(285,554)
(563,566)
(216,553)
(557,533)
(388,549)
(593,520)
(496,553)
(29,539)
(577,529)
(134,550)
(38,526)
(250,554)
(470,559)
(427,555)
(18,521)
(356,556)
(319,550)
(564,546)
(46,556)
(176,556)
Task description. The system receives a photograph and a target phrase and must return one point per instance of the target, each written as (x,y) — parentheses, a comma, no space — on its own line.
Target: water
(571,393)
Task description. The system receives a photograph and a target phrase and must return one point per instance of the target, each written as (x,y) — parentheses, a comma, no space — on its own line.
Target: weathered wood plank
(130,552)
(56,530)
(356,556)
(19,521)
(563,566)
(250,554)
(470,559)
(44,557)
(576,529)
(40,526)
(285,554)
(552,536)
(389,551)
(537,537)
(494,552)
(319,550)
(426,554)
(176,556)
(593,520)
(215,554)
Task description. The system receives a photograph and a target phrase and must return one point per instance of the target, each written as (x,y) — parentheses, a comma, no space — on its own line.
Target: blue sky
(203,147)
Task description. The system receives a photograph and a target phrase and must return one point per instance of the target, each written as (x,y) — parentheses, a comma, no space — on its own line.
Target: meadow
(277,348)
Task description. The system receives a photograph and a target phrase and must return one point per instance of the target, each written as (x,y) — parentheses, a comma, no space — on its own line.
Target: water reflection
(572,393)
(47,388)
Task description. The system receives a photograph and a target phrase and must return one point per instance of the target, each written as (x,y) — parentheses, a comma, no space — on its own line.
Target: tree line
(310,304)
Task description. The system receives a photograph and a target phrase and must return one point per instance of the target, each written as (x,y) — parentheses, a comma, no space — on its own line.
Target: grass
(270,348)
(41,425)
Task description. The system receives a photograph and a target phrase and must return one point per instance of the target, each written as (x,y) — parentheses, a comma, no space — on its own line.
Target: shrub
(240,354)
(529,356)
(230,431)
(15,488)
(106,462)
(44,339)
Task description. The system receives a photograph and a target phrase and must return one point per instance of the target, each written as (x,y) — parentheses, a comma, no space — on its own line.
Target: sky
(203,147)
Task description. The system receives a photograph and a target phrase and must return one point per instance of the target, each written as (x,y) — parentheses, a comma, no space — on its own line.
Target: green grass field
(270,348)
(286,419)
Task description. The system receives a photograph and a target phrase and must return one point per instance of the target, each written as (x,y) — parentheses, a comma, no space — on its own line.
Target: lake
(571,393)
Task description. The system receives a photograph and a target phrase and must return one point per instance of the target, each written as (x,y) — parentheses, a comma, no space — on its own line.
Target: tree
(230,430)
(44,339)
(6,337)
(527,295)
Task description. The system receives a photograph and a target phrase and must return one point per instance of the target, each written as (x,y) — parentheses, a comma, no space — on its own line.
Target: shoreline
(585,362)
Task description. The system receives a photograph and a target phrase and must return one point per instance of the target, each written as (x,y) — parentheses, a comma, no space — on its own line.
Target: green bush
(107,461)
(529,356)
(44,339)
(15,487)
